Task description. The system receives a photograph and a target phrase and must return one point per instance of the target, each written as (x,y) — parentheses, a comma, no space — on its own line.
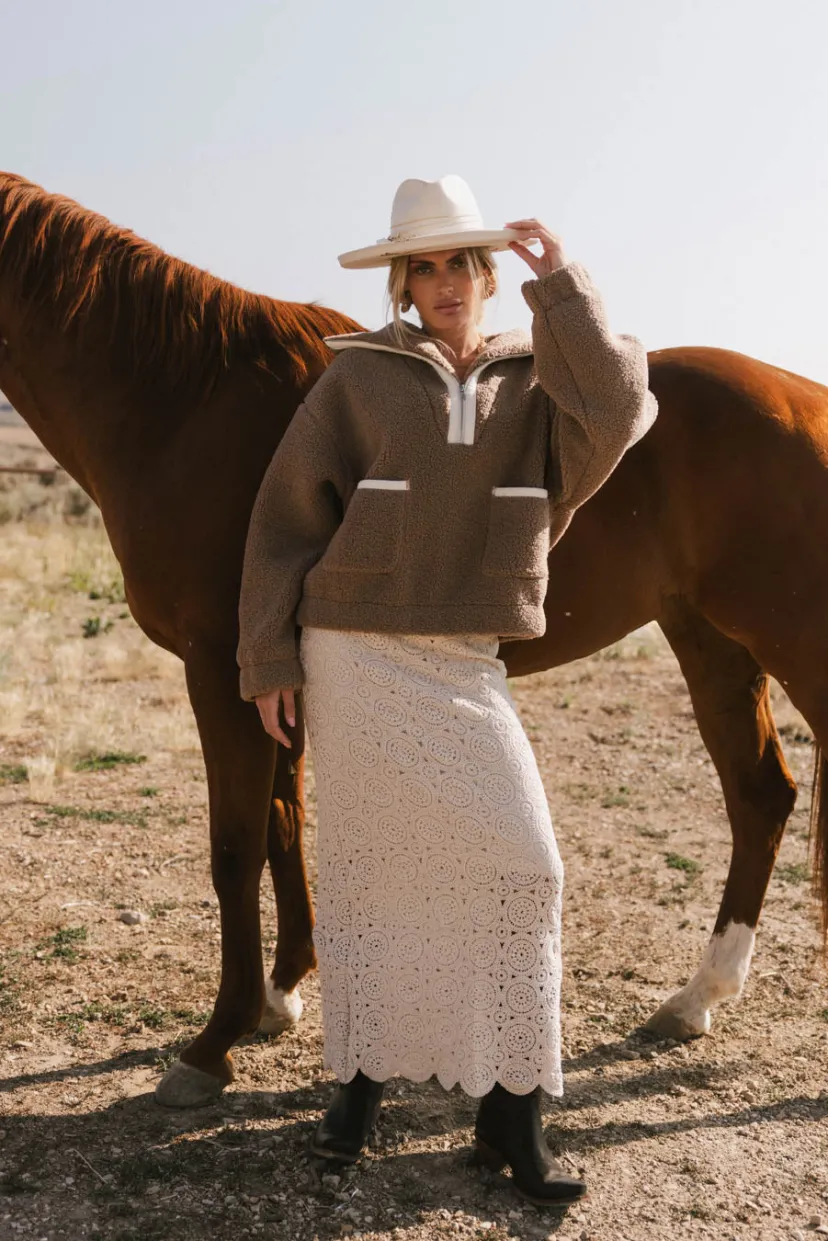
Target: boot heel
(486,1156)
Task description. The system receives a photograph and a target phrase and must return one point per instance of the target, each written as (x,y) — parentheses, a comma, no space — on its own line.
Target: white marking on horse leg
(183,1085)
(282,1009)
(721,975)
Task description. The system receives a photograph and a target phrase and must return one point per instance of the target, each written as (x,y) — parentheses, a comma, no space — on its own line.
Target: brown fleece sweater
(399,499)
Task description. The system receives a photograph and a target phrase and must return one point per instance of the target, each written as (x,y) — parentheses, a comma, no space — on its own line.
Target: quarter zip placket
(462,396)
(468,404)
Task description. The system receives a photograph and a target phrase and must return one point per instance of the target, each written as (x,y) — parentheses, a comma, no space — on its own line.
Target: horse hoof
(183,1085)
(669,1021)
(282,1009)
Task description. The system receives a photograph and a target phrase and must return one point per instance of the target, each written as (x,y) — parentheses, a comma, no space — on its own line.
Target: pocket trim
(517,537)
(386,484)
(521,491)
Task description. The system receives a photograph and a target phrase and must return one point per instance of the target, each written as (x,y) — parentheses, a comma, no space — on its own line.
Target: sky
(676,146)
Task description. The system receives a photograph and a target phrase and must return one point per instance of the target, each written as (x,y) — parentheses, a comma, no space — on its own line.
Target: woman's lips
(448,307)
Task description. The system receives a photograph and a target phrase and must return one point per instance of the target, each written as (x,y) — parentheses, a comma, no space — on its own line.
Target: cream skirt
(439,896)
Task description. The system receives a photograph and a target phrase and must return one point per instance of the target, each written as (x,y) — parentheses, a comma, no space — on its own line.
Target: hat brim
(381,254)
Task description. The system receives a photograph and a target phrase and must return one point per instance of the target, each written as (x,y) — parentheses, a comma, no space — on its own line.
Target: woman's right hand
(268,705)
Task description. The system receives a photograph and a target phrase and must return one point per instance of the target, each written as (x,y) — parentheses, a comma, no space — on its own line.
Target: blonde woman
(404,523)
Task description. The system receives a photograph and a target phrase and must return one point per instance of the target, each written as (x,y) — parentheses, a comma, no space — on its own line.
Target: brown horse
(165,391)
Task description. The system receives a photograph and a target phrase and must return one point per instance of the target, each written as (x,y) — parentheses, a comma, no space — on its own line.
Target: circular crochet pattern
(439,895)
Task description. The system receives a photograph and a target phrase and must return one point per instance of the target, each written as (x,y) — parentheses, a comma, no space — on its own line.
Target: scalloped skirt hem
(551,1085)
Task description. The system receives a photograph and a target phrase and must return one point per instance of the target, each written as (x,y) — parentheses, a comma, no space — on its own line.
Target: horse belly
(606,576)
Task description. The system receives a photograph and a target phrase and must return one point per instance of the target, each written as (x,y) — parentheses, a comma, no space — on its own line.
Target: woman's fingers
(529,234)
(530,225)
(525,253)
(279,735)
(534,229)
(268,705)
(269,712)
(551,258)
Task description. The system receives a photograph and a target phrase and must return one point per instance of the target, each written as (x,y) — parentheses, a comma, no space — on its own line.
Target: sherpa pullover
(400,499)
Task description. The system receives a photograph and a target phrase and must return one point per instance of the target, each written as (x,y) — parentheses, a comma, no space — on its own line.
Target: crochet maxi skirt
(439,895)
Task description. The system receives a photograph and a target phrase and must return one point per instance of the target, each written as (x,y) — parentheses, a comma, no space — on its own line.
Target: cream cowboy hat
(431,215)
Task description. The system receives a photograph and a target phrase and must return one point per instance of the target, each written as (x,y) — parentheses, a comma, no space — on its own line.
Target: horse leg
(239,757)
(295,956)
(729,692)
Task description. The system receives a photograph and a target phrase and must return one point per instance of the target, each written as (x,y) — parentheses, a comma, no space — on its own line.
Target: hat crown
(424,207)
(431,215)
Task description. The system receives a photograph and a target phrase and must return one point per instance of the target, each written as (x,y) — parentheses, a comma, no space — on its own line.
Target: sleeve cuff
(257,679)
(561,284)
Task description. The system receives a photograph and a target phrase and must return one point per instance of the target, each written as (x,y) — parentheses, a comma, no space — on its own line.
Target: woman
(404,523)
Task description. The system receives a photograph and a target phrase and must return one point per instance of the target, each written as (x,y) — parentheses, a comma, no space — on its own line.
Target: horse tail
(819,837)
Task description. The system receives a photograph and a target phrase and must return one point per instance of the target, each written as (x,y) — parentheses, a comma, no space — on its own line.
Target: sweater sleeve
(294,517)
(596,380)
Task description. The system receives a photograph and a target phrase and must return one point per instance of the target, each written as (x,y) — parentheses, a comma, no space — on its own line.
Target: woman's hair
(484,274)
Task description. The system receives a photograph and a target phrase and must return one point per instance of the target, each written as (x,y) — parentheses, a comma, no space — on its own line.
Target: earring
(406,303)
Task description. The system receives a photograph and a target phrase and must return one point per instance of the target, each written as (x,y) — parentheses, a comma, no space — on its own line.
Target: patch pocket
(517,540)
(369,539)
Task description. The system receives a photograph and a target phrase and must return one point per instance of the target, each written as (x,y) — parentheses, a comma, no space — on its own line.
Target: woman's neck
(465,344)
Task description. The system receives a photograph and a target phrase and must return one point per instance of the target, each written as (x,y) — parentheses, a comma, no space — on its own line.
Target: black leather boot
(344,1129)
(509,1131)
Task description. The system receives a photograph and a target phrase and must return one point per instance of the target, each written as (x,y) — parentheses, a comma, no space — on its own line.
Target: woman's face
(443,290)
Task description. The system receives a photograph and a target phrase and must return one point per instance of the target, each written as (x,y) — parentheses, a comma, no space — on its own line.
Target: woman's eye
(421,271)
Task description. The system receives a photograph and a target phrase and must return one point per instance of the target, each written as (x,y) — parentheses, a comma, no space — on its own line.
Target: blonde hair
(483,270)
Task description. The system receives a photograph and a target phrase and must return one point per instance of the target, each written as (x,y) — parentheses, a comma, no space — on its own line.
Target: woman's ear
(406,303)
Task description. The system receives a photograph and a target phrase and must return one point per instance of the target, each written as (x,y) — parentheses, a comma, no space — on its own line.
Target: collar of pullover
(515,343)
(418,344)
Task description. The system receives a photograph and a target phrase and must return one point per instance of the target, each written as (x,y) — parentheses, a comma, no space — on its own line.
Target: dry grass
(66,639)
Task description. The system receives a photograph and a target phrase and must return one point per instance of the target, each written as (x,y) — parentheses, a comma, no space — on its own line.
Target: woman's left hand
(552,256)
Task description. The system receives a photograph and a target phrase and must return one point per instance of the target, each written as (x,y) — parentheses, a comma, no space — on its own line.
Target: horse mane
(170,324)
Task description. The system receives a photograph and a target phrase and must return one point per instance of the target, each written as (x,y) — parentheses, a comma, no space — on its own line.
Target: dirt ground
(722,1138)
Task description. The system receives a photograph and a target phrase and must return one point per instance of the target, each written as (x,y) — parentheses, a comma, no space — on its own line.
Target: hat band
(434,226)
